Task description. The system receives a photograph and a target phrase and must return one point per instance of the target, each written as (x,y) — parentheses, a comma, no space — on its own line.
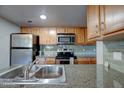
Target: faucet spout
(28,69)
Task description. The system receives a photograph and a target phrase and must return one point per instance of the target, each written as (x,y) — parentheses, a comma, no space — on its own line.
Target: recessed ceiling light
(43,17)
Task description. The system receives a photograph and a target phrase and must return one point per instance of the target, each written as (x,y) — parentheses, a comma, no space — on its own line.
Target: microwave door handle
(72,39)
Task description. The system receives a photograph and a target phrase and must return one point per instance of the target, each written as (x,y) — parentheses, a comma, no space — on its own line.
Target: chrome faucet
(28,69)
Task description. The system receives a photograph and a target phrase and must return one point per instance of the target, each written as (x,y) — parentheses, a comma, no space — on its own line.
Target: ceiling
(57,15)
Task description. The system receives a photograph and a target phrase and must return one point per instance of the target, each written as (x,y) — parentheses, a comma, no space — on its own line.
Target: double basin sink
(39,74)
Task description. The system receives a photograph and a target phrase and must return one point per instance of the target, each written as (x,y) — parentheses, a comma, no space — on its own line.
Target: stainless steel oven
(65,56)
(66,38)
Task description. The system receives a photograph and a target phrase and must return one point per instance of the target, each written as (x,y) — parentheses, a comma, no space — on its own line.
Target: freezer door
(22,40)
(21,56)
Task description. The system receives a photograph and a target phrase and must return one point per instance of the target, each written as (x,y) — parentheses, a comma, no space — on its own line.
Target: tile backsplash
(79,50)
(114,54)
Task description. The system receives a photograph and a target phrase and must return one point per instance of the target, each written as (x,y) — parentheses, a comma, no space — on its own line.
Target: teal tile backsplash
(79,50)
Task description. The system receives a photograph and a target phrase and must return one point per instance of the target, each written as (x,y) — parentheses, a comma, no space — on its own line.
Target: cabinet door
(66,29)
(35,31)
(92,60)
(80,35)
(26,30)
(60,30)
(50,60)
(113,18)
(83,60)
(32,30)
(86,60)
(93,21)
(47,35)
(88,42)
(52,36)
(70,29)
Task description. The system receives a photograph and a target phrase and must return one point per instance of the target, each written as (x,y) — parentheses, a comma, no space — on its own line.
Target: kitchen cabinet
(32,30)
(50,60)
(80,60)
(92,61)
(65,29)
(70,29)
(25,30)
(88,42)
(105,21)
(60,30)
(86,60)
(93,21)
(80,36)
(112,18)
(48,35)
(78,31)
(83,60)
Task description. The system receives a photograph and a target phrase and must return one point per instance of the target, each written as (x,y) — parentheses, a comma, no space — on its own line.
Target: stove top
(65,55)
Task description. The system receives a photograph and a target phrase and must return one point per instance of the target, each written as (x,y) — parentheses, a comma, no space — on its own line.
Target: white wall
(6,28)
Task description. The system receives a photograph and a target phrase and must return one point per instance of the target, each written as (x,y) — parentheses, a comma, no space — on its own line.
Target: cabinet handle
(102,22)
(96,32)
(102,26)
(96,26)
(96,29)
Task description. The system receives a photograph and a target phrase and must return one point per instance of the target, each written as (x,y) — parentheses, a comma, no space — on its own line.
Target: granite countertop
(84,76)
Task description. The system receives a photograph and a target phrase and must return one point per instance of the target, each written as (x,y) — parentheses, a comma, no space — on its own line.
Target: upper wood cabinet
(78,31)
(65,29)
(70,29)
(80,35)
(88,42)
(48,35)
(112,18)
(105,21)
(93,21)
(60,30)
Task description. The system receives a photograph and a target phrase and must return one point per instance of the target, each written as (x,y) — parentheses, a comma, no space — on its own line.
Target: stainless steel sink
(17,73)
(39,74)
(49,72)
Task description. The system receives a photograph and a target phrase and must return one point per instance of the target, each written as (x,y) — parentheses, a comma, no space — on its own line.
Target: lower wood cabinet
(87,60)
(92,60)
(80,60)
(50,60)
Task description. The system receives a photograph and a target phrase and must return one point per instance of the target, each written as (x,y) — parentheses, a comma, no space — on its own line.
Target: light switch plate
(117,56)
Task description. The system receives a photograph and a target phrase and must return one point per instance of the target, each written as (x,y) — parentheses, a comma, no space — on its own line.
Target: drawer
(50,59)
(83,62)
(86,60)
(83,59)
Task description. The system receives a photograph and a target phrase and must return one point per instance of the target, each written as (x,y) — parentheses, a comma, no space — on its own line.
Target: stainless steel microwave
(66,38)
